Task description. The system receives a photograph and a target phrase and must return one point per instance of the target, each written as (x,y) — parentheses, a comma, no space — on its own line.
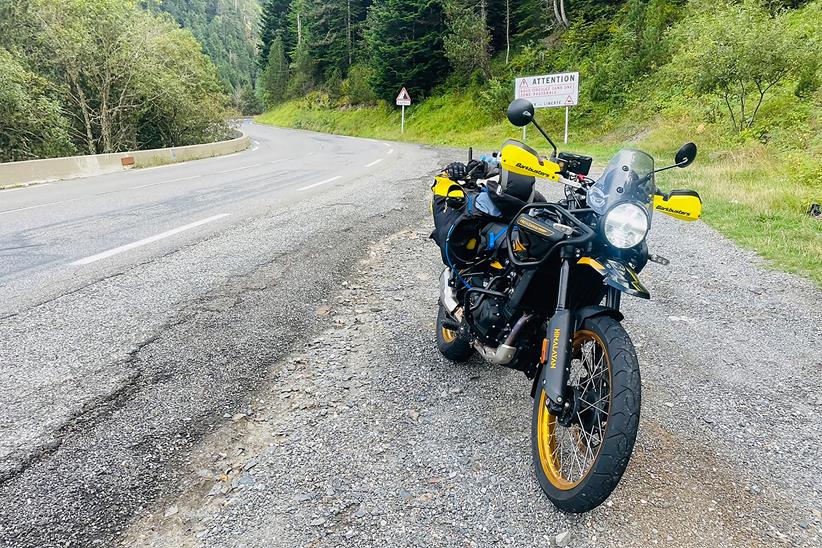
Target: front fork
(557,345)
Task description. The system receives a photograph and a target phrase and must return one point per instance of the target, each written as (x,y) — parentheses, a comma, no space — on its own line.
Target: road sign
(549,90)
(403,99)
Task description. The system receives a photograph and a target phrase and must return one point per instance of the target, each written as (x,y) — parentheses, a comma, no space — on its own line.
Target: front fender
(586,312)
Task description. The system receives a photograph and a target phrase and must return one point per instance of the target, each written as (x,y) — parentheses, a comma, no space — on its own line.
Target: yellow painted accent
(497,265)
(448,335)
(684,208)
(593,263)
(554,345)
(519,160)
(443,184)
(518,247)
(471,244)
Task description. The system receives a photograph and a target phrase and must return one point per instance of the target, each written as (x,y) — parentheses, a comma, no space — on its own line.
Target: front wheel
(578,465)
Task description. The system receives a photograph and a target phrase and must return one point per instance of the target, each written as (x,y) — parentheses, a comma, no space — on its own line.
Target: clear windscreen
(628,177)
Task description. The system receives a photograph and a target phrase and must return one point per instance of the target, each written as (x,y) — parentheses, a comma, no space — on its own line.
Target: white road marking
(386,144)
(375,162)
(236,169)
(24,187)
(169,181)
(391,151)
(320,183)
(32,207)
(146,241)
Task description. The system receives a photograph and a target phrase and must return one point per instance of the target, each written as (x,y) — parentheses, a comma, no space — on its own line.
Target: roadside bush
(356,88)
(495,95)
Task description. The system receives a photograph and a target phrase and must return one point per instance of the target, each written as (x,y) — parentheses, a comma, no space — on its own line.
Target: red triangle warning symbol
(569,100)
(404,98)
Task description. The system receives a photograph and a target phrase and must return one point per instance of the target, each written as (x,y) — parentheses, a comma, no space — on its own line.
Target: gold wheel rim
(448,335)
(559,447)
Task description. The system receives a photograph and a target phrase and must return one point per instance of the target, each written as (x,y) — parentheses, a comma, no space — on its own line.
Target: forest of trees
(97,76)
(228,31)
(348,52)
(91,76)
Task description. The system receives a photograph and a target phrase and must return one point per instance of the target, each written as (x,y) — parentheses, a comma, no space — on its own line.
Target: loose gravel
(366,436)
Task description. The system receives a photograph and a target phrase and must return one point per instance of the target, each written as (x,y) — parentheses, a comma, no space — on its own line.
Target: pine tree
(404,40)
(274,78)
(272,24)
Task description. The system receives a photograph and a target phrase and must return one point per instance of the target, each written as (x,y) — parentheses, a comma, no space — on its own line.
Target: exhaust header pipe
(448,297)
(504,353)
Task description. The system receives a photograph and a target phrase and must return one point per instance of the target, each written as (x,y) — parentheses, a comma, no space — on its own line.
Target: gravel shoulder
(364,435)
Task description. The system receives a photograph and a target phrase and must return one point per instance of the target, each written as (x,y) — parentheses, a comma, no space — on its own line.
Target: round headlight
(626,225)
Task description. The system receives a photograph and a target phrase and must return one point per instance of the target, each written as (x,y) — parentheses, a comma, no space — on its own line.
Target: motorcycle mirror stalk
(684,157)
(521,113)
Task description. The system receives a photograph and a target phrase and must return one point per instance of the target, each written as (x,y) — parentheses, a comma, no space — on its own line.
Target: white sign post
(550,90)
(403,100)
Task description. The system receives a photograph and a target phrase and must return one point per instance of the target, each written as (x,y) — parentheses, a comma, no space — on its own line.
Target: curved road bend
(121,333)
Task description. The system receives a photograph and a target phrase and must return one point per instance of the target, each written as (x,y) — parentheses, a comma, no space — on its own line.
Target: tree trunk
(556,12)
(562,12)
(83,104)
(348,24)
(507,30)
(730,109)
(105,114)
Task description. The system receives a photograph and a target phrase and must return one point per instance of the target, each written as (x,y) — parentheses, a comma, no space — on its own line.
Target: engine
(487,313)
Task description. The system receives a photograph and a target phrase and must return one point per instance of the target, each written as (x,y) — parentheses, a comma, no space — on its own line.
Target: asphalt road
(97,274)
(242,354)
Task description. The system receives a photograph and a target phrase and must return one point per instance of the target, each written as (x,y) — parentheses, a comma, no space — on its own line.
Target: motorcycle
(524,286)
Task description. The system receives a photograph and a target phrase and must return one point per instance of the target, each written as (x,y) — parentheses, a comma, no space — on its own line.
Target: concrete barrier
(52,169)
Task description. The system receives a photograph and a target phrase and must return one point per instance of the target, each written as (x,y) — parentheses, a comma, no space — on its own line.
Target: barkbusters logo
(674,211)
(520,165)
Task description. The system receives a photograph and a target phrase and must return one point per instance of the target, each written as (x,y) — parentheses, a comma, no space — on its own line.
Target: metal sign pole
(566,124)
(402,124)
(523,134)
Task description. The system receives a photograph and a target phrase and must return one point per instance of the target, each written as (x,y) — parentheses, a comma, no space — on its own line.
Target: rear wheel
(578,465)
(449,342)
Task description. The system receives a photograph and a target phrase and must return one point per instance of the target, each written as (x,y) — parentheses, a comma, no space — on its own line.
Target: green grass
(756,194)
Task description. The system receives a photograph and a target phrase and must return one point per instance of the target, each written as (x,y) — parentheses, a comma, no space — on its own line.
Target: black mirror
(520,112)
(685,155)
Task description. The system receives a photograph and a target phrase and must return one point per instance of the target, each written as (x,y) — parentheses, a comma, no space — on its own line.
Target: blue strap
(492,238)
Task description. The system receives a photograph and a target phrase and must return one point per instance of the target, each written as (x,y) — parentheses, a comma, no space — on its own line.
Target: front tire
(449,342)
(580,465)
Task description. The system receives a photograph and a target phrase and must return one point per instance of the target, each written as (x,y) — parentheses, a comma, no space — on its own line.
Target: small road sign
(403,99)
